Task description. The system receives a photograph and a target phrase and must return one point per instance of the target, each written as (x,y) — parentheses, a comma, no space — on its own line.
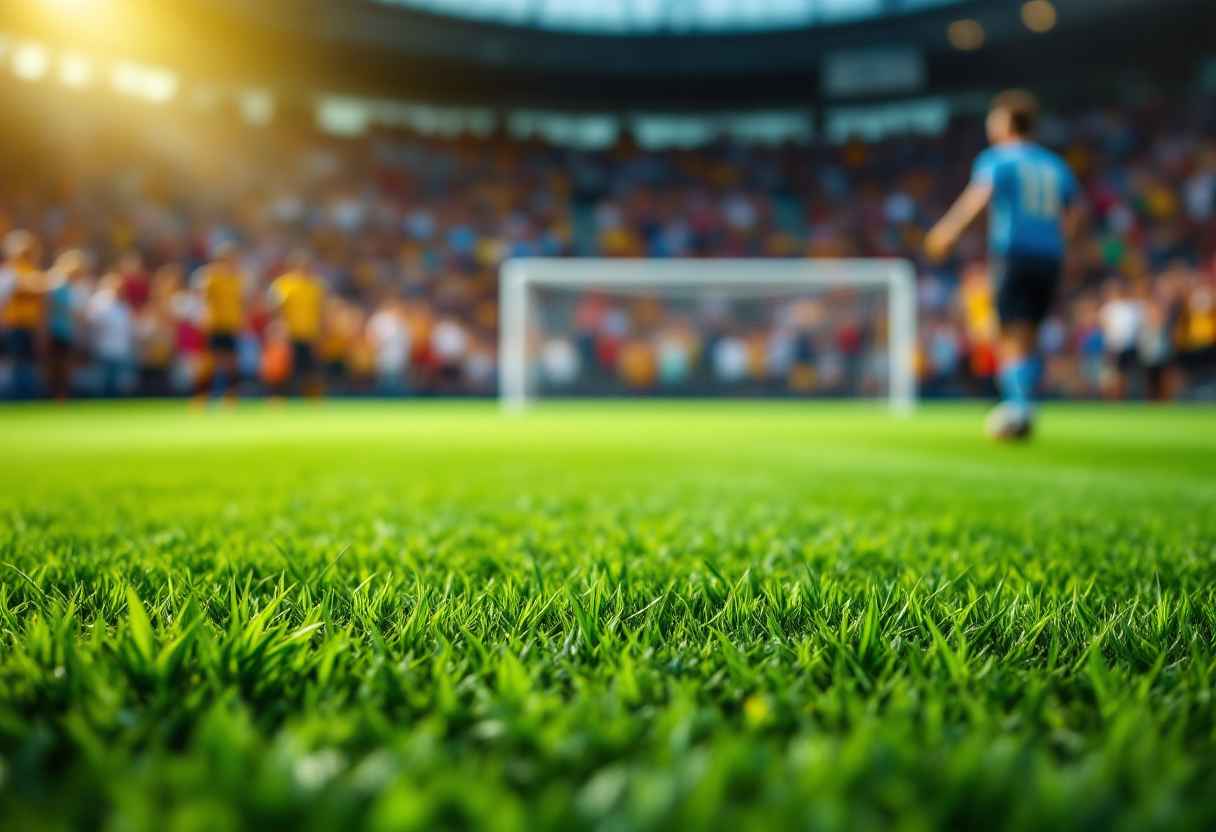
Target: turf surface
(617,617)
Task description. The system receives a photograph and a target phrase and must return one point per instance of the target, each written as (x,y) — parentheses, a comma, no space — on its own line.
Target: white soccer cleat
(1007,423)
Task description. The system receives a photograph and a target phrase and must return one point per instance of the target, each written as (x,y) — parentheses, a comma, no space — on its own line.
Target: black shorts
(1127,360)
(61,347)
(1025,287)
(302,361)
(1199,360)
(222,342)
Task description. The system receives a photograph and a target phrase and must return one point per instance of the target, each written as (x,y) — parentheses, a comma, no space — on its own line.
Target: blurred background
(361,168)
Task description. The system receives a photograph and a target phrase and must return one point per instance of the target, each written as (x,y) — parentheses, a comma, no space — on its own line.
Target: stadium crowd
(292,261)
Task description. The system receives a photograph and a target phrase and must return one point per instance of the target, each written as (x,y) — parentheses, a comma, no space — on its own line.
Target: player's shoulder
(1004,154)
(1000,157)
(1032,152)
(1011,156)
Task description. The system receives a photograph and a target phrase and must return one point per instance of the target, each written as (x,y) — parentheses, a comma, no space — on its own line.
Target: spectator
(389,336)
(1197,334)
(1122,317)
(336,342)
(479,366)
(449,341)
(64,314)
(276,359)
(298,296)
(730,360)
(22,288)
(111,323)
(221,285)
(188,312)
(156,342)
(674,355)
(1155,349)
(136,285)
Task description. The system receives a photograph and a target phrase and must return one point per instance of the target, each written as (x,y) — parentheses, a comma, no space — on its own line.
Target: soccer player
(113,327)
(63,311)
(22,284)
(298,296)
(1035,204)
(222,286)
(389,337)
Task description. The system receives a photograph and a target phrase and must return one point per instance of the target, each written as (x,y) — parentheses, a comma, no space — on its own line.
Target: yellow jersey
(1198,329)
(24,308)
(222,290)
(300,297)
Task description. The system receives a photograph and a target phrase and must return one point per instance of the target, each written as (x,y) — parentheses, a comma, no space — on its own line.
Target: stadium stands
(423,223)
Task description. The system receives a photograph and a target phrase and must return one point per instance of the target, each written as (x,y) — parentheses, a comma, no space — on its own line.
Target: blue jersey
(1031,187)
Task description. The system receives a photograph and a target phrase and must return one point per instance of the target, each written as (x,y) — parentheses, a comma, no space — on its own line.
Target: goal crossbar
(520,275)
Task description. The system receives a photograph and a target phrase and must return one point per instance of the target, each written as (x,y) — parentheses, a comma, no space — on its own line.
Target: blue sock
(1018,382)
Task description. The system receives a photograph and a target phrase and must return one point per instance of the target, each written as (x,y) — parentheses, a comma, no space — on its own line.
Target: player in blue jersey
(1035,207)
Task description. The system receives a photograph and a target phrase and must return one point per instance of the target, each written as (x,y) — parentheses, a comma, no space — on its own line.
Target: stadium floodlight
(75,71)
(572,328)
(31,61)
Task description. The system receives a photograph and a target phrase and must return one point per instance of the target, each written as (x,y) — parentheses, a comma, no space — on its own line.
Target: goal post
(557,315)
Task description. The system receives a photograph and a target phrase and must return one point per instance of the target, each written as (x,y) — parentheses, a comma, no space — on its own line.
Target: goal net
(707,328)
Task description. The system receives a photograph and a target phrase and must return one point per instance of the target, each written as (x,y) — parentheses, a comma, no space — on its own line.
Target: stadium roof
(406,51)
(643,17)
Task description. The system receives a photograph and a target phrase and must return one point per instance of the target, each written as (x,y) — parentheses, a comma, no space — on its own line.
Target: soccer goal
(573,328)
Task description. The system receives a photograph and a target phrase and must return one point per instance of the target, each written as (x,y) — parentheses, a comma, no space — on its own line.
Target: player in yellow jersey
(221,285)
(298,296)
(22,293)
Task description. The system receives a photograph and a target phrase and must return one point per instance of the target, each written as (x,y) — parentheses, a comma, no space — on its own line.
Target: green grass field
(619,617)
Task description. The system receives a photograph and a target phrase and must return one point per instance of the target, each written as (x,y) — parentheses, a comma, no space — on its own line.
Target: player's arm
(945,235)
(35,283)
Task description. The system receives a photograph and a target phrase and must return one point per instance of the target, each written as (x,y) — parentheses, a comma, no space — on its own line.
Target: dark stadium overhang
(361,48)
